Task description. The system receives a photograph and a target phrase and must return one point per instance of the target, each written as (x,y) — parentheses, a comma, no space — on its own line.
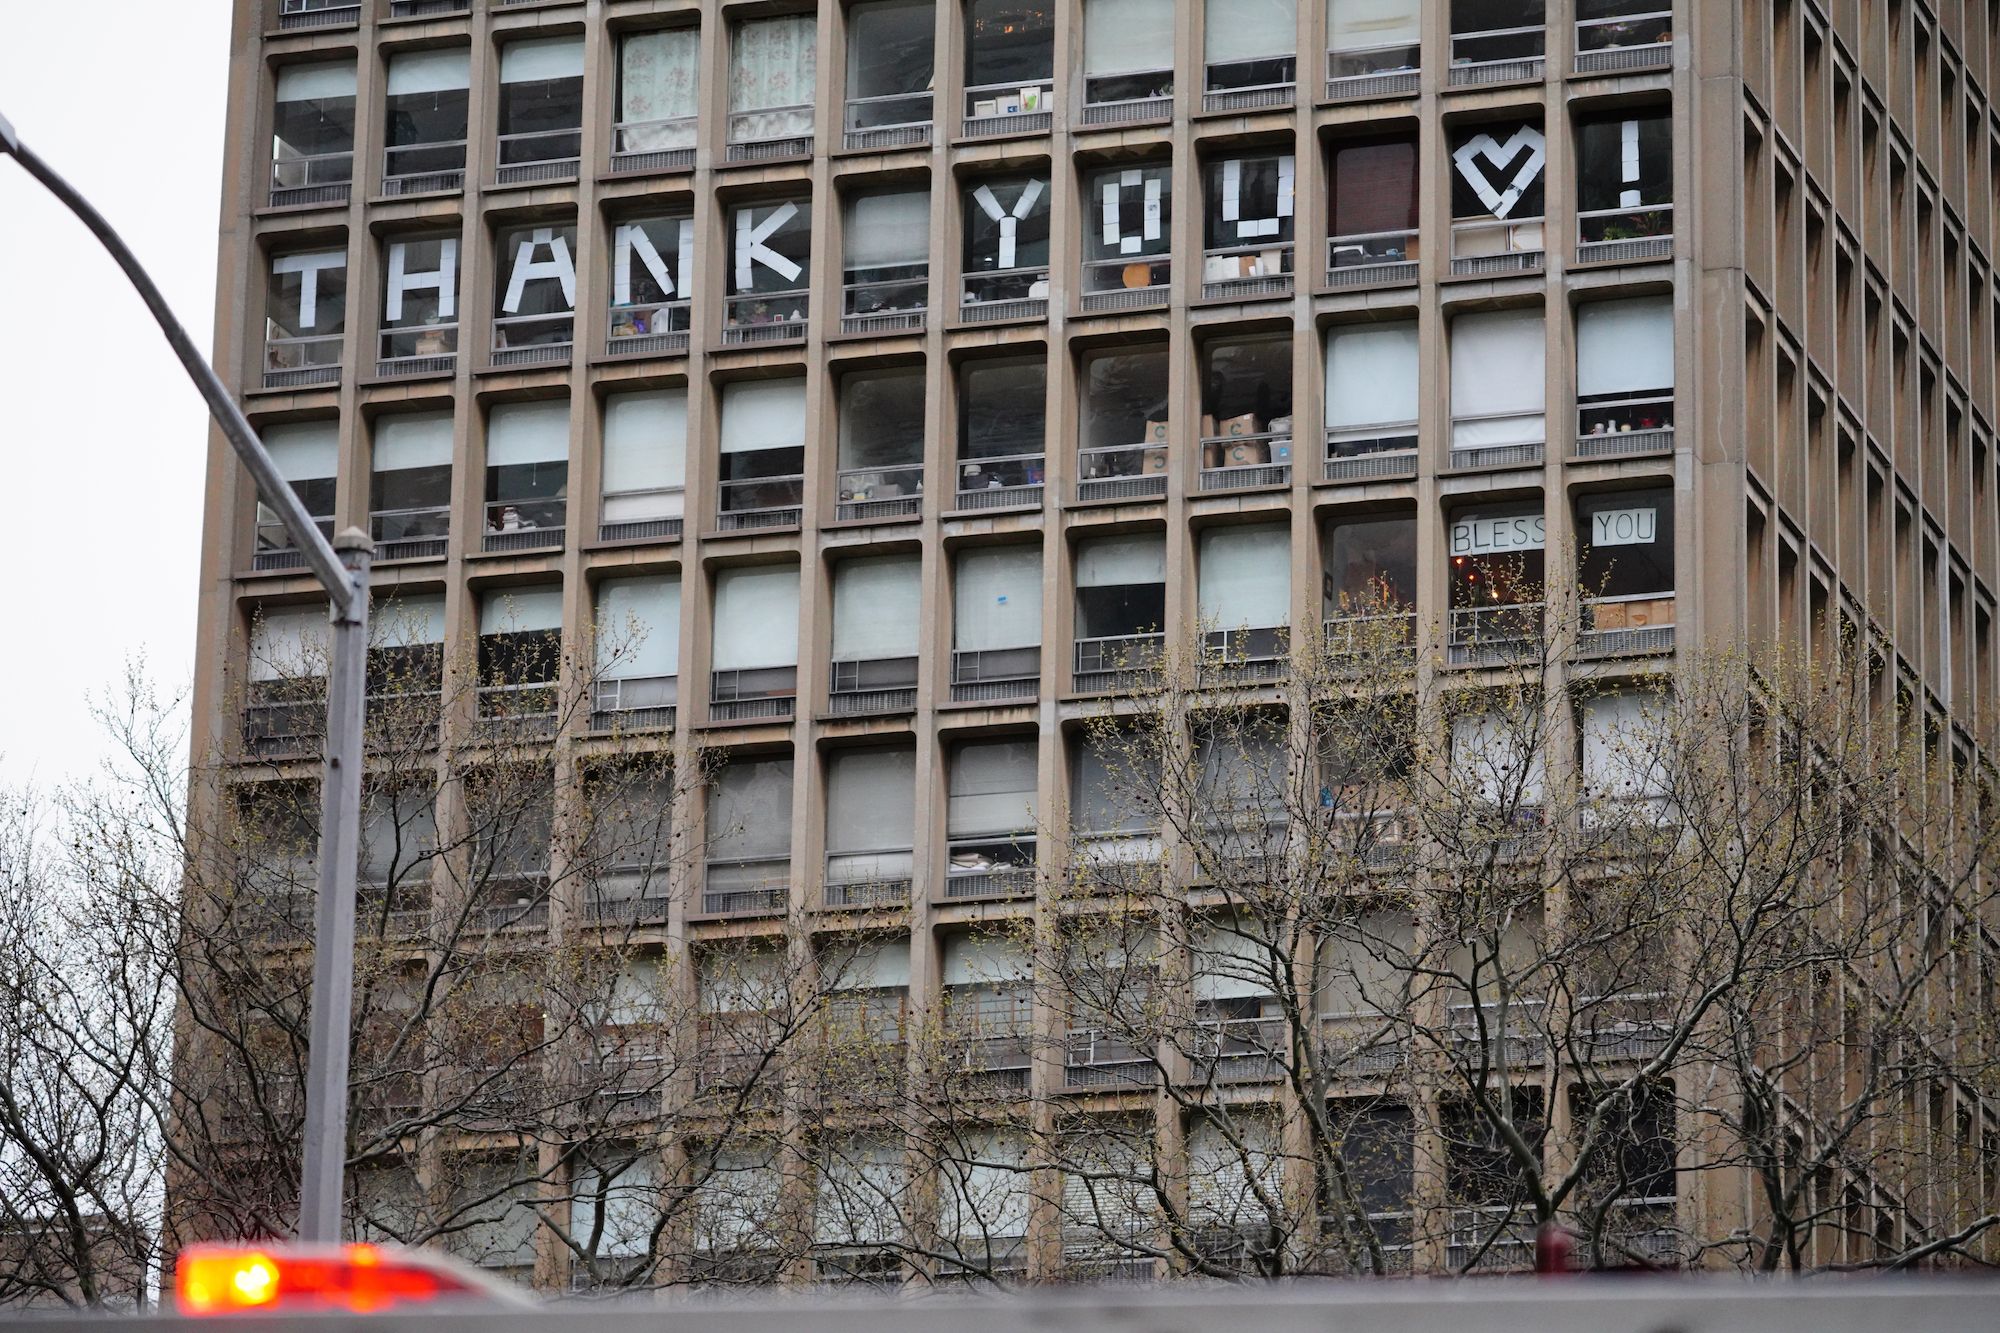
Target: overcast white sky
(101,434)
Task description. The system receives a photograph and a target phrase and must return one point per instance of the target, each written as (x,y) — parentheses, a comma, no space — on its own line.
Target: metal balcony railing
(274,550)
(523,525)
(887,305)
(298,363)
(1004,294)
(629,896)
(884,685)
(879,492)
(753,693)
(1625,235)
(1247,271)
(405,9)
(1239,1050)
(1496,245)
(1250,85)
(891,120)
(1368,258)
(996,675)
(746,887)
(423,168)
(1361,1045)
(411,534)
(318,13)
(1497,55)
(1625,42)
(765,317)
(1485,634)
(654,145)
(1490,1239)
(991,866)
(1360,636)
(1525,449)
(1011,108)
(648,515)
(539,156)
(769,134)
(533,340)
(1122,472)
(634,703)
(1152,110)
(1643,424)
(527,708)
(313,179)
(1372,71)
(1133,282)
(1001,482)
(652,328)
(430,349)
(760,502)
(1246,461)
(876,879)
(1252,653)
(1635,623)
(510,901)
(1117,661)
(1095,1058)
(1386,451)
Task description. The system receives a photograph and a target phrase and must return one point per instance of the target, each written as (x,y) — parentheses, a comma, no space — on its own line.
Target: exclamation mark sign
(1628,143)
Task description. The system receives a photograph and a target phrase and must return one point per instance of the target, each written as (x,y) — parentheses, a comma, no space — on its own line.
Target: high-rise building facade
(905,371)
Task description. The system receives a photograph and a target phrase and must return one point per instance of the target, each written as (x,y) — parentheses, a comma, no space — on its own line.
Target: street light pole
(342,568)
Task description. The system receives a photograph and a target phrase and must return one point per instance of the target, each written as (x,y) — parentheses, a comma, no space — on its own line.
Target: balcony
(1246,462)
(302,363)
(892,120)
(878,493)
(1240,656)
(1375,71)
(753,694)
(1633,1025)
(770,134)
(996,675)
(1492,635)
(318,13)
(875,879)
(1490,246)
(524,710)
(510,902)
(1122,472)
(994,109)
(423,168)
(1001,866)
(274,545)
(650,515)
(757,503)
(626,896)
(1251,85)
(411,534)
(1508,429)
(990,1032)
(1361,1045)
(1384,452)
(1625,43)
(1510,1031)
(1626,428)
(747,888)
(654,145)
(1370,259)
(897,304)
(1491,1239)
(1120,661)
(1246,272)
(648,329)
(1625,235)
(886,685)
(634,703)
(1239,1050)
(1636,623)
(284,717)
(523,525)
(539,157)
(1007,482)
(1393,633)
(1004,294)
(1151,110)
(316,180)
(429,350)
(1498,55)
(765,317)
(1096,1059)
(1126,283)
(533,340)
(410,9)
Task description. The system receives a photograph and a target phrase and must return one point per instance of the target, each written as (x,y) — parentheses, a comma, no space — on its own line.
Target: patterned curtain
(771,79)
(658,77)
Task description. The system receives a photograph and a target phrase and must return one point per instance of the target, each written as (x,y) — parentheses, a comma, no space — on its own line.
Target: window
(773,72)
(1121,606)
(426,123)
(749,828)
(990,818)
(1244,592)
(877,605)
(1497,367)
(871,826)
(881,444)
(1242,775)
(1373,211)
(1625,568)
(1248,226)
(1377,1144)
(527,474)
(286,698)
(410,500)
(419,306)
(770,250)
(1496,40)
(1001,423)
(1497,187)
(1627,751)
(638,646)
(1246,402)
(1497,576)
(1232,1172)
(308,457)
(645,464)
(652,277)
(997,623)
(1123,429)
(406,660)
(756,642)
(887,260)
(1625,186)
(312,133)
(1371,569)
(1127,236)
(1372,45)
(1128,53)
(1009,58)
(1114,796)
(541,109)
(535,294)
(520,651)
(305,314)
(763,451)
(659,79)
(890,70)
(1371,393)
(858,1204)
(983,1193)
(1625,34)
(1250,45)
(1006,242)
(1625,376)
(1496,760)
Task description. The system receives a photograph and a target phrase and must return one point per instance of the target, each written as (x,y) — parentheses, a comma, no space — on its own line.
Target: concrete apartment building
(907,368)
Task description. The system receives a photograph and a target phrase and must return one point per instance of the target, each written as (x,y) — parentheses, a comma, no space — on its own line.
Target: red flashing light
(358,1279)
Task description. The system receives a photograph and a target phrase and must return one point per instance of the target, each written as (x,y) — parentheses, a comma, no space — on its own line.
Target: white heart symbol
(1501,202)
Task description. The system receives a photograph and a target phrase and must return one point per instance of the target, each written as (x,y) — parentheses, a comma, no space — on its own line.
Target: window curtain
(1371,375)
(888,230)
(411,620)
(756,617)
(1486,755)
(527,433)
(316,82)
(1231,960)
(1250,30)
(411,440)
(1246,577)
(447,71)
(1497,364)
(1360,25)
(984,1196)
(973,959)
(645,453)
(871,806)
(876,604)
(289,643)
(1625,347)
(540,58)
(771,73)
(992,789)
(304,451)
(1627,746)
(763,414)
(999,599)
(750,811)
(1127,36)
(658,80)
(520,611)
(639,627)
(1116,562)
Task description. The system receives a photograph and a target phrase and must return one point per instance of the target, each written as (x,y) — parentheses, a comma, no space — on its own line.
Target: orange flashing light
(359,1279)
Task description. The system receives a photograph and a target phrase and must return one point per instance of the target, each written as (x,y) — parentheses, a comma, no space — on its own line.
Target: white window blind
(639,627)
(1357,25)
(645,449)
(860,1191)
(999,599)
(984,1195)
(1371,375)
(885,230)
(444,71)
(992,789)
(757,617)
(750,811)
(874,965)
(985,959)
(1112,1194)
(618,1206)
(527,433)
(1497,363)
(875,608)
(1626,746)
(289,643)
(520,610)
(738,981)
(412,439)
(763,414)
(736,1201)
(1246,577)
(1108,562)
(1127,36)
(1625,346)
(1233,960)
(1488,757)
(871,801)
(304,450)
(1250,29)
(1366,965)
(311,83)
(1227,1167)
(409,621)
(538,58)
